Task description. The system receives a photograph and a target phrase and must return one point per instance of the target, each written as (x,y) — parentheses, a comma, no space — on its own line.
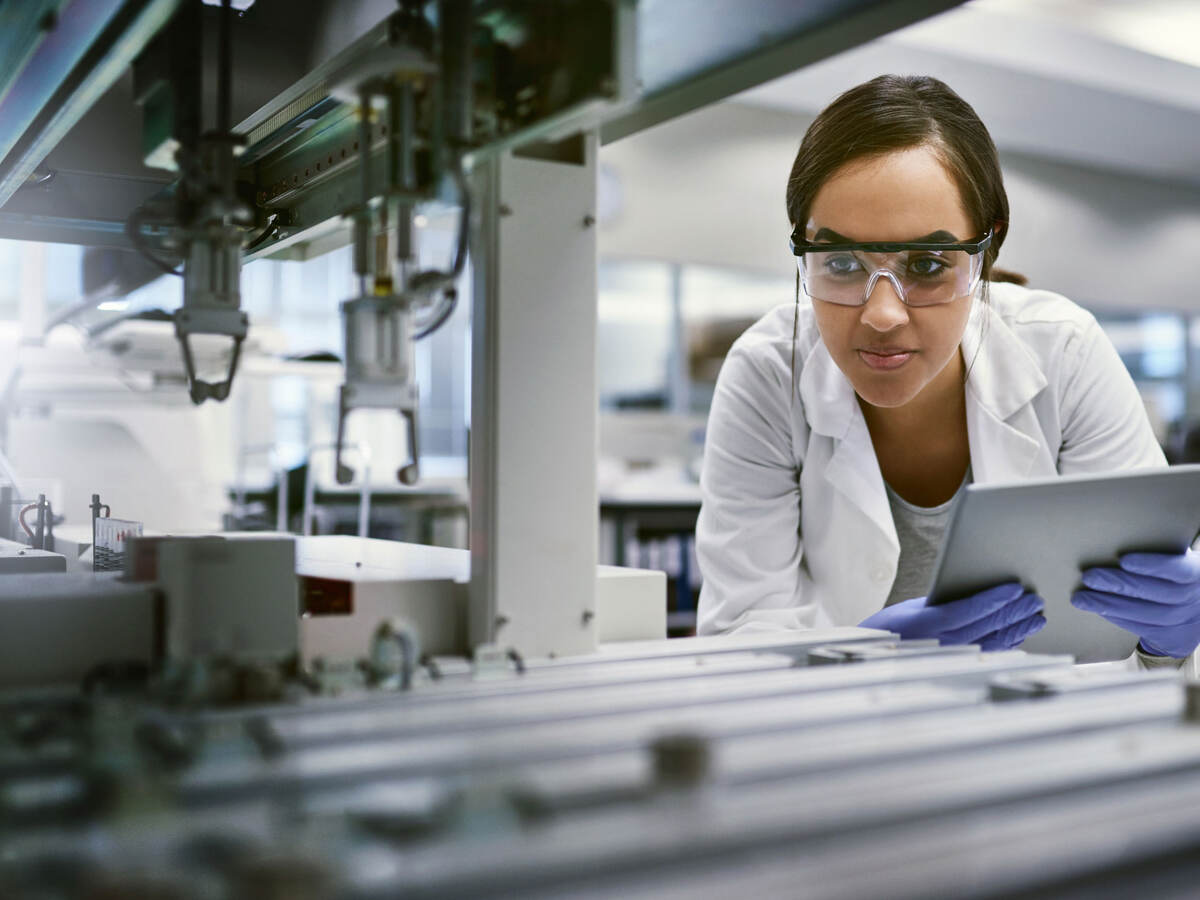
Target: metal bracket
(230,322)
(379,372)
(359,396)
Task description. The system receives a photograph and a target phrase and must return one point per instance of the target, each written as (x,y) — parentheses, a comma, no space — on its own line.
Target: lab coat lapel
(1002,427)
(831,408)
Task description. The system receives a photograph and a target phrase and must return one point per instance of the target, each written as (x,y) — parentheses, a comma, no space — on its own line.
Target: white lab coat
(795,530)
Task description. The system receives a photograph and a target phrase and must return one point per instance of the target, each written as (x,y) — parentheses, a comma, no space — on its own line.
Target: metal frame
(123,37)
(534,519)
(757,43)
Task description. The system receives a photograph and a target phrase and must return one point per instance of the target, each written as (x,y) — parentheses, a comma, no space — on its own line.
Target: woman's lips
(885,360)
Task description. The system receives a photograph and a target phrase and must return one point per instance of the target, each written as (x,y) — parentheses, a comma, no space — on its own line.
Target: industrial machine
(188,137)
(236,716)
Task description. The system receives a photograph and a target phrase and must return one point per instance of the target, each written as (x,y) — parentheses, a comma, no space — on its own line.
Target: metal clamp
(232,323)
(364,503)
(379,372)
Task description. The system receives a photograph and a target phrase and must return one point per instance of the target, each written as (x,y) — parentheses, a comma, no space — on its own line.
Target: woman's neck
(922,447)
(939,408)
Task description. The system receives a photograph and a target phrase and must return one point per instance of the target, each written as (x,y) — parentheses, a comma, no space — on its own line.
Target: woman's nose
(884,310)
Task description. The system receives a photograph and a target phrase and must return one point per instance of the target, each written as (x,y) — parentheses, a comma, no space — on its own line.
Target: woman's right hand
(999,618)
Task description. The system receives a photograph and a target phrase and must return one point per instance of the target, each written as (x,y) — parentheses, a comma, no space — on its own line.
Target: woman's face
(891,352)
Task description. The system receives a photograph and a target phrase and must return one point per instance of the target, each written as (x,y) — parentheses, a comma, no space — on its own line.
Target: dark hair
(897,112)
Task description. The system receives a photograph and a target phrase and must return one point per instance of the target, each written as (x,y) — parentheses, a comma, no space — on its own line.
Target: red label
(325,596)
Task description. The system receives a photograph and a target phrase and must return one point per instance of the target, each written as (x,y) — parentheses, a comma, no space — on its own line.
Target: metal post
(678,379)
(32,301)
(281,499)
(533,404)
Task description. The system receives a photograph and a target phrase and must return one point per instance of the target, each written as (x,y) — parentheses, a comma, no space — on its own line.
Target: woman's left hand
(1153,595)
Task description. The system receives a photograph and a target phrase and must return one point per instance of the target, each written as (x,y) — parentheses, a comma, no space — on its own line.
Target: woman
(842,429)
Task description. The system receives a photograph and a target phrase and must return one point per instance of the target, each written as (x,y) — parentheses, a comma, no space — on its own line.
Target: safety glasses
(923,274)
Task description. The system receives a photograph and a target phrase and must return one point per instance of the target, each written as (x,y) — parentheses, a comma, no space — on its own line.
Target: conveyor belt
(684,769)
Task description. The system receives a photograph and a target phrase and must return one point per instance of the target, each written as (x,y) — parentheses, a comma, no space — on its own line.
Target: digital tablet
(1043,533)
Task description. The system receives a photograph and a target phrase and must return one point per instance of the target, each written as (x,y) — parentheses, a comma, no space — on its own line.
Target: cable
(271,229)
(133,231)
(431,281)
(451,301)
(21,518)
(225,69)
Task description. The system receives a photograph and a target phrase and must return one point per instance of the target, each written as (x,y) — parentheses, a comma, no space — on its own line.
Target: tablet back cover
(1043,533)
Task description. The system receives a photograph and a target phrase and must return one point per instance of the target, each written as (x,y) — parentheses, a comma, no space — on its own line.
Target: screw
(501,621)
(588,615)
(1191,712)
(505,209)
(681,759)
(589,220)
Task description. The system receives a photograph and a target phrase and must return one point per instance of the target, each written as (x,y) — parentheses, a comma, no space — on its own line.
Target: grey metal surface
(15,558)
(1042,533)
(1128,839)
(796,643)
(68,73)
(692,53)
(706,825)
(752,757)
(23,28)
(759,776)
(427,719)
(39,52)
(533,248)
(686,53)
(57,627)
(503,754)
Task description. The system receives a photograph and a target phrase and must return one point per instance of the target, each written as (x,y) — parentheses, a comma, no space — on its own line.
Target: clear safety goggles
(923,274)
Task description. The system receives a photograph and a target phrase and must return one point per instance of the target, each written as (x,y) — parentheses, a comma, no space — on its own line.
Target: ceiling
(1108,84)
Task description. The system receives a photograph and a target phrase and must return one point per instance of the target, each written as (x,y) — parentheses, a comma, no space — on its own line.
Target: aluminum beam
(533,404)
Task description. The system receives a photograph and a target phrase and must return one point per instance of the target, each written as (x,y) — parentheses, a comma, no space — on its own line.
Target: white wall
(708,188)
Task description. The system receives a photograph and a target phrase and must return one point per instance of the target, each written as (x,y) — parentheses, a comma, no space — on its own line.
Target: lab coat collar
(1002,427)
(831,408)
(1003,378)
(1003,375)
(827,395)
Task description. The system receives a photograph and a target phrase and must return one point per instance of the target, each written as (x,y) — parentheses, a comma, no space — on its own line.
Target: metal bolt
(681,760)
(1191,708)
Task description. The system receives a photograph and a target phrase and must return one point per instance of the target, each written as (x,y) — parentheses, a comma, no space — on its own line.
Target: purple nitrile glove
(1153,595)
(998,618)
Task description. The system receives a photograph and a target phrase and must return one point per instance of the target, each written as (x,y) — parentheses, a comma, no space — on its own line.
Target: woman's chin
(886,396)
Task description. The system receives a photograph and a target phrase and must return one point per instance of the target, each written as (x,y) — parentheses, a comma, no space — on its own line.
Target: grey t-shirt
(920,530)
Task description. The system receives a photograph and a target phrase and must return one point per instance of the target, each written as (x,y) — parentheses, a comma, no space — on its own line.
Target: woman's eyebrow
(828,235)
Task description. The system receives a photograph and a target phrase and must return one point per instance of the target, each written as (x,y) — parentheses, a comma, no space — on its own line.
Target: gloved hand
(999,618)
(1153,595)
